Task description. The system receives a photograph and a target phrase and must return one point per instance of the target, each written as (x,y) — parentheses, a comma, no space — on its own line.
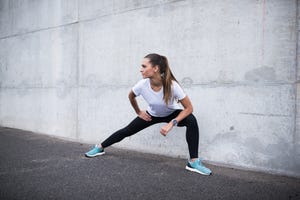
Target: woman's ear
(156,68)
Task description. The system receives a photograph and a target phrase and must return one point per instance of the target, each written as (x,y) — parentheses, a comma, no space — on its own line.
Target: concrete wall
(66,68)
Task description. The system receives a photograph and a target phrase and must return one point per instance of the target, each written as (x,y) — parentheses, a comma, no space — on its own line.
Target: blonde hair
(165,72)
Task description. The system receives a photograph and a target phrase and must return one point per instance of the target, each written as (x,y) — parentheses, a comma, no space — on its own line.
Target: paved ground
(34,166)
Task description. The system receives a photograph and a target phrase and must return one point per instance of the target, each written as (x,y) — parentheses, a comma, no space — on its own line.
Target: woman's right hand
(144,115)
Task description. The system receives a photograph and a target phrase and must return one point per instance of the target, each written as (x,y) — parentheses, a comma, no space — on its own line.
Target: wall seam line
(296,73)
(77,76)
(38,30)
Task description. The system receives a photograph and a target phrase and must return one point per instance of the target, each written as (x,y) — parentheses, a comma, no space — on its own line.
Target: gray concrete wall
(66,68)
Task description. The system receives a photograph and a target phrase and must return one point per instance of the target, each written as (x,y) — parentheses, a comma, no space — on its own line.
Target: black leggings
(138,124)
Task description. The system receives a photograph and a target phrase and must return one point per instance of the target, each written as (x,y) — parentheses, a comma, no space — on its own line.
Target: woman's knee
(126,131)
(190,120)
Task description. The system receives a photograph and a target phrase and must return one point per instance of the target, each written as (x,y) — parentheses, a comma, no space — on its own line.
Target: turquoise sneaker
(95,151)
(198,167)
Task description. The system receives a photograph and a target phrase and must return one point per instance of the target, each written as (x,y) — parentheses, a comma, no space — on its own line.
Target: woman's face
(147,69)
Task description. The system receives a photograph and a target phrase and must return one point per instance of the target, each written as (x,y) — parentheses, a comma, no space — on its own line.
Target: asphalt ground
(35,166)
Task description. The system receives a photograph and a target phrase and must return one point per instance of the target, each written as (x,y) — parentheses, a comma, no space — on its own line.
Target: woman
(162,92)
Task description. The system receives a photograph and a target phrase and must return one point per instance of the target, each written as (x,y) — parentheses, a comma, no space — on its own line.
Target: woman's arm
(142,114)
(133,102)
(188,109)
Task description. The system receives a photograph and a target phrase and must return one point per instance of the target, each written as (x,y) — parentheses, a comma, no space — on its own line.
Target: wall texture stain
(261,74)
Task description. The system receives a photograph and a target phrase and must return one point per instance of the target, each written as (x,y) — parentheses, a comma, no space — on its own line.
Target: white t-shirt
(156,104)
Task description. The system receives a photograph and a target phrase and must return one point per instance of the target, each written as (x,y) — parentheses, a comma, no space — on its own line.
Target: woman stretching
(162,92)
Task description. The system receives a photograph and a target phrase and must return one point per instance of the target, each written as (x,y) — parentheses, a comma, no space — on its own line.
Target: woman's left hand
(166,128)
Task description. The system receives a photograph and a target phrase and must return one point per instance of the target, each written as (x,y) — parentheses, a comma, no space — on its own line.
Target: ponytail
(165,72)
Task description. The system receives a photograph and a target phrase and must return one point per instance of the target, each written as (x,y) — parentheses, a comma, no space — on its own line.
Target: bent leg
(133,127)
(192,134)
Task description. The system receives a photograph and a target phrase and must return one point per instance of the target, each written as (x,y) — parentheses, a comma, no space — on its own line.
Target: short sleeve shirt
(156,104)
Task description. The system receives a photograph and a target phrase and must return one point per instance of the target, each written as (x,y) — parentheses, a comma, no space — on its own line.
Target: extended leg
(135,126)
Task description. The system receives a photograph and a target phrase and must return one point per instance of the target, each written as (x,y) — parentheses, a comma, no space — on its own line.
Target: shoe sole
(195,170)
(92,156)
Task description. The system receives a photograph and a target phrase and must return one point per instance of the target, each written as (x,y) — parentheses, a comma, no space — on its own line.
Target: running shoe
(95,151)
(198,167)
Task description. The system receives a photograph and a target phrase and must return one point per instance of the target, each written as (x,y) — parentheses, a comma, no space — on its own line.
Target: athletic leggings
(138,124)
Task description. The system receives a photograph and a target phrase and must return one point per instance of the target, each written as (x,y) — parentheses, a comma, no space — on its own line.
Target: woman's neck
(156,82)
